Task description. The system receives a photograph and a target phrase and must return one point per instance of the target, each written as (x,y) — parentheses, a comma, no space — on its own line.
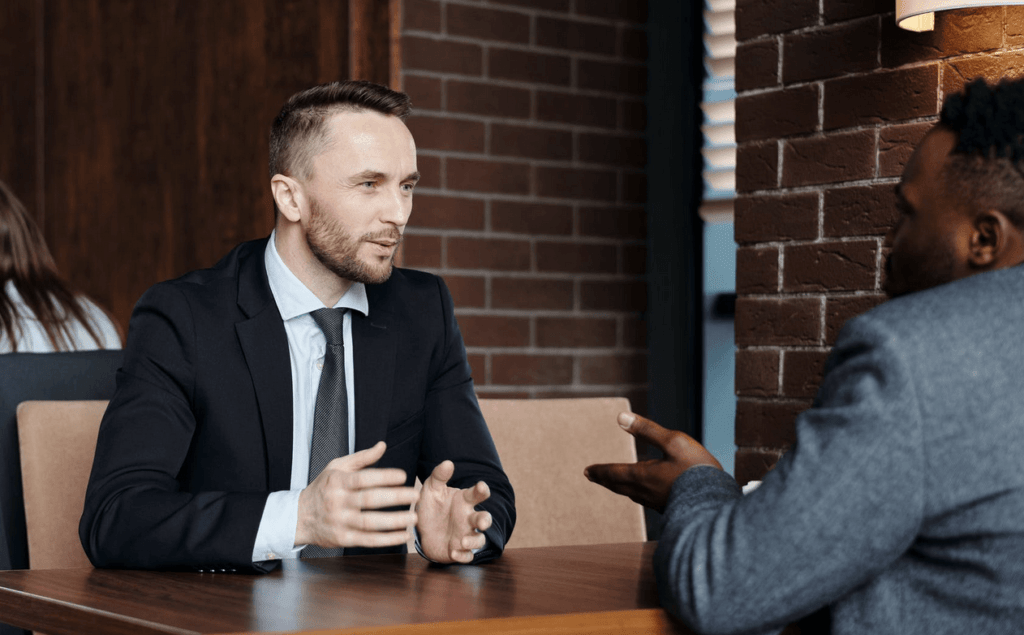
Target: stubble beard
(925,273)
(336,250)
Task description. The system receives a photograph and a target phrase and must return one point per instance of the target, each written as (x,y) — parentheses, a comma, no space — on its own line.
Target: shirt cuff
(275,538)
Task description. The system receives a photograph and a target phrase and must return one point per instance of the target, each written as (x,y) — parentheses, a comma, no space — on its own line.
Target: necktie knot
(330,321)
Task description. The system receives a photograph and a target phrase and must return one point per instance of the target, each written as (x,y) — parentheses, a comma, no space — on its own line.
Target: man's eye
(370,183)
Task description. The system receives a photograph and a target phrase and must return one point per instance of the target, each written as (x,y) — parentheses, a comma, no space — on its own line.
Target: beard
(908,273)
(338,251)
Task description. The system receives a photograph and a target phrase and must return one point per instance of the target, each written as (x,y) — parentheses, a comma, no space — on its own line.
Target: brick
(771,218)
(896,144)
(612,149)
(757,64)
(881,97)
(502,394)
(788,322)
(488,24)
(767,424)
(425,92)
(488,99)
(993,67)
(488,253)
(860,211)
(632,115)
(447,212)
(446,133)
(839,10)
(531,293)
(832,158)
(836,266)
(631,10)
(802,372)
(531,218)
(495,330)
(467,291)
(580,110)
(613,222)
(574,35)
(757,270)
(498,177)
(421,251)
(751,464)
(421,15)
(576,183)
(442,56)
(778,113)
(633,188)
(633,43)
(762,17)
(840,309)
(612,76)
(613,369)
(547,5)
(538,68)
(634,260)
(555,332)
(533,143)
(830,51)
(430,170)
(634,333)
(478,368)
(757,373)
(757,166)
(1014,27)
(956,33)
(519,370)
(566,257)
(613,296)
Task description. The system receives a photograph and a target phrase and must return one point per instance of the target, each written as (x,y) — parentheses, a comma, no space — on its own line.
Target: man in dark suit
(901,507)
(282,402)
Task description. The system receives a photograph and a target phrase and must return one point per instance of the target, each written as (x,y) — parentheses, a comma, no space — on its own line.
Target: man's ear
(992,237)
(288,195)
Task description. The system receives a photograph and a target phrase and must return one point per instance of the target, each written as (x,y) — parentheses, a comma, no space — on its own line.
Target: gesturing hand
(448,521)
(332,509)
(649,482)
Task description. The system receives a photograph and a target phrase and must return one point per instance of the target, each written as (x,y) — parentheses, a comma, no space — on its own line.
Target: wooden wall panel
(154,130)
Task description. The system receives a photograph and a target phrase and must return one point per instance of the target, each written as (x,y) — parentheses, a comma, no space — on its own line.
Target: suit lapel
(265,346)
(374,360)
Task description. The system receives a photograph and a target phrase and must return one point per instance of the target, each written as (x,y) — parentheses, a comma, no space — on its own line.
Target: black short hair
(986,167)
(299,131)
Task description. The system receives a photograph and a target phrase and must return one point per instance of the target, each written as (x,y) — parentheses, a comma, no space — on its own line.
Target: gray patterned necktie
(330,416)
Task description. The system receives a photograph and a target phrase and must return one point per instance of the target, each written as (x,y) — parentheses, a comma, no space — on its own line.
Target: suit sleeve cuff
(275,538)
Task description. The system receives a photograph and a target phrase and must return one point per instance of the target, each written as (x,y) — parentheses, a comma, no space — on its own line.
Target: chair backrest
(58,442)
(39,376)
(544,444)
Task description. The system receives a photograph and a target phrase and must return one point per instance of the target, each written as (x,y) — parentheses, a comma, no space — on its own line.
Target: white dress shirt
(32,337)
(306,347)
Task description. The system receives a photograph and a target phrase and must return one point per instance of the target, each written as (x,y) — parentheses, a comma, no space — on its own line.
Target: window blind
(719,107)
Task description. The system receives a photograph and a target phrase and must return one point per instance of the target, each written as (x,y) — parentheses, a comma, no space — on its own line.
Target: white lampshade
(919,15)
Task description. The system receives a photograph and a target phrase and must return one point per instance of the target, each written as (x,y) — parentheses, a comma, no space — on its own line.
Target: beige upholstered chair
(544,444)
(57,440)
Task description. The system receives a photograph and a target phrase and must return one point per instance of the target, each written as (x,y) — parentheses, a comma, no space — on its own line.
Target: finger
(363,458)
(481,521)
(440,474)
(374,538)
(374,477)
(383,521)
(476,494)
(607,474)
(461,556)
(646,429)
(384,497)
(473,541)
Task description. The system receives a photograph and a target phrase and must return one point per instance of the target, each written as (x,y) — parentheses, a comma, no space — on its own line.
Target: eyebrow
(372,175)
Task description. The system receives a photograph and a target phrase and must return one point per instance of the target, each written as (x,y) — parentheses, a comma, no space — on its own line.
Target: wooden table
(591,589)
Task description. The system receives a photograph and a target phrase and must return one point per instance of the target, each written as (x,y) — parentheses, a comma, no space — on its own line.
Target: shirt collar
(294,298)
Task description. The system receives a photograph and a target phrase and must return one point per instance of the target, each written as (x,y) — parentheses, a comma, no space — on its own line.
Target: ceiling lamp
(919,15)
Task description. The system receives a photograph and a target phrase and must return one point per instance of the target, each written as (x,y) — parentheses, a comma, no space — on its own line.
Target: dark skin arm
(649,482)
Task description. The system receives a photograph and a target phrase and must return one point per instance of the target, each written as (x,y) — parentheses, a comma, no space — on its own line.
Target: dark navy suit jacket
(199,430)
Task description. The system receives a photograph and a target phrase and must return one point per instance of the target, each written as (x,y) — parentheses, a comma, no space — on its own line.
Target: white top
(306,346)
(32,337)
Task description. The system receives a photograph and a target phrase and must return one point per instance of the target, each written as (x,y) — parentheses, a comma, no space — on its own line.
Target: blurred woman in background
(39,312)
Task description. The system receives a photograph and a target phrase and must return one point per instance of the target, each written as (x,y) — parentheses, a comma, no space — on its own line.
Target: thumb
(643,428)
(440,474)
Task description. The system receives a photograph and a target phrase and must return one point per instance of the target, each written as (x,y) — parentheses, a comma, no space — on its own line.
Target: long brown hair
(25,260)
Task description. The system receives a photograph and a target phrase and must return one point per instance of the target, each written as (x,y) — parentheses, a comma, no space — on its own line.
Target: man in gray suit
(901,506)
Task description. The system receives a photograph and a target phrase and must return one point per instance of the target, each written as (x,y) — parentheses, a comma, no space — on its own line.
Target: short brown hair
(299,130)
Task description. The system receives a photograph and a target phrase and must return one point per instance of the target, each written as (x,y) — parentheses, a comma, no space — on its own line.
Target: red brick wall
(529,119)
(832,99)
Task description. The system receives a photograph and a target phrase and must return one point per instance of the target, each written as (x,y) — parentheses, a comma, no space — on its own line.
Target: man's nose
(397,208)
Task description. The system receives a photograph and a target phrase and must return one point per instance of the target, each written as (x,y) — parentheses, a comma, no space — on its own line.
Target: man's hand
(449,524)
(649,482)
(332,509)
